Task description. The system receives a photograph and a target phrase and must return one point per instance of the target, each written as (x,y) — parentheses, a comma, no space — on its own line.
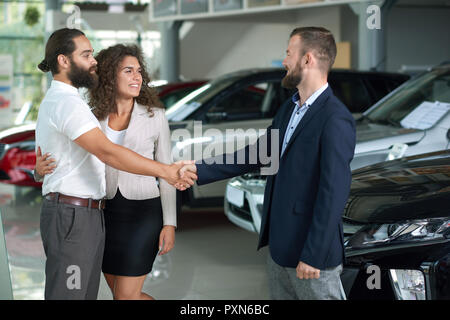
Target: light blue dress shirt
(298,113)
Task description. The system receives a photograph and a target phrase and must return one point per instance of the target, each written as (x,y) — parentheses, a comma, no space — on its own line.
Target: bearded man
(72,222)
(304,200)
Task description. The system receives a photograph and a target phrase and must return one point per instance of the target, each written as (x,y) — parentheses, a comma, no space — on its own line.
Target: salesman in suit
(304,200)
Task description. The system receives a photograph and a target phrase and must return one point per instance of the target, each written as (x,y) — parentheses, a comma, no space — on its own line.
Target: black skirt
(132,235)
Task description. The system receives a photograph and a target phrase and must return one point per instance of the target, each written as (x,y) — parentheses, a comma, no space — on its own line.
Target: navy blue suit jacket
(304,200)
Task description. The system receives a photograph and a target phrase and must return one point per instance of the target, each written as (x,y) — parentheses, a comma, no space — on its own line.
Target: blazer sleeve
(229,165)
(336,153)
(163,154)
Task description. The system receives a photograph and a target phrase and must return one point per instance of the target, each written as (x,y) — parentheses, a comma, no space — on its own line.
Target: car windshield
(184,107)
(428,94)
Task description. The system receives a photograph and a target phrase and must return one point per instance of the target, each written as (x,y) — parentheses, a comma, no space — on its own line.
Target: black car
(241,94)
(397,230)
(248,100)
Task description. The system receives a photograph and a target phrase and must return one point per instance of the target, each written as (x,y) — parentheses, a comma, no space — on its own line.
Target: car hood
(416,187)
(372,137)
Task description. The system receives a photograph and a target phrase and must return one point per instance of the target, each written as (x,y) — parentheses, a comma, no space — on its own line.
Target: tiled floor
(212,258)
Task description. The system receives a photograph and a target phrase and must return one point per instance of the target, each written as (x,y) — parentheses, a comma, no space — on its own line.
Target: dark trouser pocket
(68,223)
(46,223)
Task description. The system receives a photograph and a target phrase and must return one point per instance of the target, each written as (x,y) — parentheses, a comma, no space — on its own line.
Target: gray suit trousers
(73,239)
(284,284)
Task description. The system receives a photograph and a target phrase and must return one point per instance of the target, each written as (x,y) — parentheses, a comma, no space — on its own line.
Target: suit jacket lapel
(288,107)
(134,126)
(312,111)
(285,122)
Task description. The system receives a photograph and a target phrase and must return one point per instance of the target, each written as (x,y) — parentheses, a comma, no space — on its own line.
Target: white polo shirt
(63,117)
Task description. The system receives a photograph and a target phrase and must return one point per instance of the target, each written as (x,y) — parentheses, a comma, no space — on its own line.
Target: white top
(63,117)
(115,136)
(150,137)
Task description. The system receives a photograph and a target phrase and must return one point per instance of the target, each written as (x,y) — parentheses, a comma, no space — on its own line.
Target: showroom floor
(212,259)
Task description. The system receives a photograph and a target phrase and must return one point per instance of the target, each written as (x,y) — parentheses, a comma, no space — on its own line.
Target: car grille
(242,212)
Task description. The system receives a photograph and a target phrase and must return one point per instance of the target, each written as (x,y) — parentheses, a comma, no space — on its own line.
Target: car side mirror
(213,117)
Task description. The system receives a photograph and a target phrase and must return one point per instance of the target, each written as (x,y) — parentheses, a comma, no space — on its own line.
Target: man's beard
(291,81)
(82,78)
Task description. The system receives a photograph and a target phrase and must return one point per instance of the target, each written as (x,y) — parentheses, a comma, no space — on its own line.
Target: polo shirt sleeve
(73,118)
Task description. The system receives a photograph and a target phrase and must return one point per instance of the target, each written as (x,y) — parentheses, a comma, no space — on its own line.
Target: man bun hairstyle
(60,42)
(321,42)
(43,66)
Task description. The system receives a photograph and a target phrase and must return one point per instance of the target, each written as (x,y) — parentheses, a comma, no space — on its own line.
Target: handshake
(182,174)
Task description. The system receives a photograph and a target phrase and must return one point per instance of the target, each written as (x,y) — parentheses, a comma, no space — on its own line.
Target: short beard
(82,78)
(292,81)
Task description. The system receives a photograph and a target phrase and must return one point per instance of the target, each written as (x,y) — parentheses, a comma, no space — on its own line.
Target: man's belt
(81,202)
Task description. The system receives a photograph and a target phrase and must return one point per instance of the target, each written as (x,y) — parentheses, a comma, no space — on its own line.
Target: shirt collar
(311,99)
(59,85)
(296,98)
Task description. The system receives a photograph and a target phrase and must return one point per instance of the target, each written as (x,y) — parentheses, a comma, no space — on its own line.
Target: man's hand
(305,271)
(166,239)
(187,169)
(44,165)
(182,174)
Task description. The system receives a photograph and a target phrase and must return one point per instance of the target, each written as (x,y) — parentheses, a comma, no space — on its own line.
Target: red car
(4,103)
(17,157)
(17,144)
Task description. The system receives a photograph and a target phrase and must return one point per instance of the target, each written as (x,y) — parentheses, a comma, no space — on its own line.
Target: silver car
(413,119)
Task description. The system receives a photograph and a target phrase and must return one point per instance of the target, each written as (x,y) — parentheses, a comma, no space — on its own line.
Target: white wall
(417,36)
(414,36)
(349,32)
(212,48)
(103,20)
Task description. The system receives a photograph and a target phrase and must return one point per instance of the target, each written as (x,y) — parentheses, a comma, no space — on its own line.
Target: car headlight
(374,235)
(408,284)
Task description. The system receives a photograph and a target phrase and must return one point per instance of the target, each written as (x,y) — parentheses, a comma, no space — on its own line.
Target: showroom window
(22,47)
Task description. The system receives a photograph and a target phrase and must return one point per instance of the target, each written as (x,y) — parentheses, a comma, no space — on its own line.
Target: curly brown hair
(102,98)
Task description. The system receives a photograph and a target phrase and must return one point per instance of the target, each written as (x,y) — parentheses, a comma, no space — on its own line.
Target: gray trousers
(73,239)
(284,284)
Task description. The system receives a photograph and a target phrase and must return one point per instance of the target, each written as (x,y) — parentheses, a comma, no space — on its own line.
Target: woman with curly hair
(140,213)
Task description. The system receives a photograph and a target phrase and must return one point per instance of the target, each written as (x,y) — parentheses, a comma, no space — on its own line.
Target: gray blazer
(150,137)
